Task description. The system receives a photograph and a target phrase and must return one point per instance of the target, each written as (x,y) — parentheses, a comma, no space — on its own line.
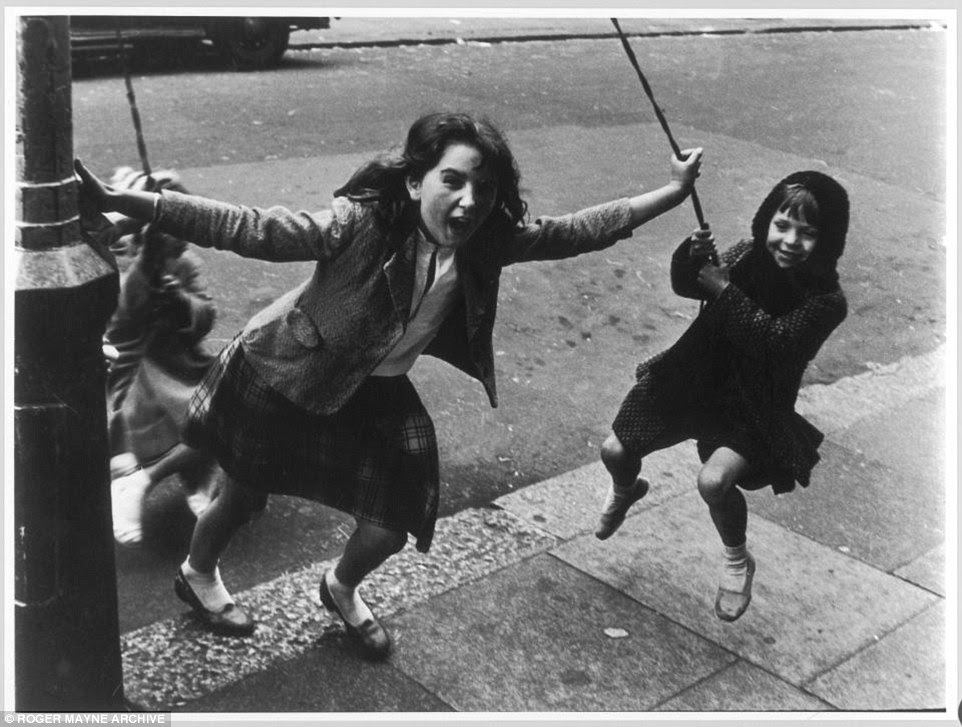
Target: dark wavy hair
(381,181)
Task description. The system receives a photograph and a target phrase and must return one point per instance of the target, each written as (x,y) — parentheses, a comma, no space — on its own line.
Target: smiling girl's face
(790,240)
(456,195)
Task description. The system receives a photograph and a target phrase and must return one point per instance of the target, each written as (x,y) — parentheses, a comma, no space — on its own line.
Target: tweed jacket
(318,342)
(738,357)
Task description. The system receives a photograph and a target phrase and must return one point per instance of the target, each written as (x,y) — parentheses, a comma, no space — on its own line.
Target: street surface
(866,106)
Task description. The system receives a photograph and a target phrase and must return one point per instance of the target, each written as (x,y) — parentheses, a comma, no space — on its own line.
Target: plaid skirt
(376,458)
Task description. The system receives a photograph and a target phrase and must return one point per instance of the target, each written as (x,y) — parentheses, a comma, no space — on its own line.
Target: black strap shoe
(229,621)
(374,640)
(730,605)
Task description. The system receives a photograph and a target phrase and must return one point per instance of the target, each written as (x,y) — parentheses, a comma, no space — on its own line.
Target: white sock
(208,587)
(354,610)
(123,464)
(734,568)
(127,495)
(198,502)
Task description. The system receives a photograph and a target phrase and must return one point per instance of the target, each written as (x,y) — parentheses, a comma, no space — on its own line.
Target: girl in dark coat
(157,358)
(731,381)
(313,398)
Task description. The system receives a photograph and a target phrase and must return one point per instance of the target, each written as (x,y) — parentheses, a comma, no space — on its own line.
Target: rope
(132,101)
(661,117)
(153,249)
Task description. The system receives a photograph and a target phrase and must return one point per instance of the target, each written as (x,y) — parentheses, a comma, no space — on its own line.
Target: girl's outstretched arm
(647,206)
(99,197)
(274,234)
(595,228)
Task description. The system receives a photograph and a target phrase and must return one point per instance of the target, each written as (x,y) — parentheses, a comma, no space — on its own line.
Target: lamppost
(67,640)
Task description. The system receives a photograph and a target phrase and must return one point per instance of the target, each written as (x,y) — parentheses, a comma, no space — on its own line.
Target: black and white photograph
(646,318)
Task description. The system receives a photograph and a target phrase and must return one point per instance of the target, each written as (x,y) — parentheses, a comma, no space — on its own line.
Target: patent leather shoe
(229,621)
(371,636)
(730,605)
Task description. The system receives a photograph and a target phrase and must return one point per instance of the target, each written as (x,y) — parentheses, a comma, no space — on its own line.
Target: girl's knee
(713,484)
(241,502)
(615,456)
(396,541)
(383,540)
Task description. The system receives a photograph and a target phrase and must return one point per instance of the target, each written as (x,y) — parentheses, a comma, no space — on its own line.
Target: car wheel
(252,42)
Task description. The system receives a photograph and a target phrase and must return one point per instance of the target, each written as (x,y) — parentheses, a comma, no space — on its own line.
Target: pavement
(518,608)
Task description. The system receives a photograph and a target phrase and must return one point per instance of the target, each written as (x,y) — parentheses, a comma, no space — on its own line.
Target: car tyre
(252,42)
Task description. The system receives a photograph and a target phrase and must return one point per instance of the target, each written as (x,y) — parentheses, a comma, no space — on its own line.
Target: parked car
(254,42)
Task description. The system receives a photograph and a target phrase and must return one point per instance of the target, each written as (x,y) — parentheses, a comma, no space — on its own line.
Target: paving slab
(812,606)
(837,406)
(172,662)
(904,670)
(859,507)
(908,437)
(327,678)
(569,504)
(531,638)
(743,687)
(927,571)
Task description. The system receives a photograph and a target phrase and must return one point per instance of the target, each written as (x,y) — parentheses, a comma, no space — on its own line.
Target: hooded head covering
(833,210)
(778,290)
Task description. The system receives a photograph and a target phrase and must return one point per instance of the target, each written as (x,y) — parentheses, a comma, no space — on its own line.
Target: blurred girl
(157,359)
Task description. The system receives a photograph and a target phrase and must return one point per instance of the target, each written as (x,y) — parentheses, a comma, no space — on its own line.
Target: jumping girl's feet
(735,588)
(360,624)
(127,495)
(616,507)
(206,595)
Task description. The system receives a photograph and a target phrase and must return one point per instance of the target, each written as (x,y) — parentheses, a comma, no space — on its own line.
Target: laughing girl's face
(456,196)
(790,240)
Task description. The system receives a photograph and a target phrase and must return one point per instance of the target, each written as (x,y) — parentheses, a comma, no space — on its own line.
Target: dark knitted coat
(161,356)
(741,361)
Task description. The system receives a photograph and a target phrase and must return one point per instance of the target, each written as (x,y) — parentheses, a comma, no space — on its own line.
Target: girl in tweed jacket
(313,398)
(731,381)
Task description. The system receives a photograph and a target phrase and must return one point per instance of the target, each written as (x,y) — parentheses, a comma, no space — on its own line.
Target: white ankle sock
(354,610)
(208,587)
(123,464)
(734,568)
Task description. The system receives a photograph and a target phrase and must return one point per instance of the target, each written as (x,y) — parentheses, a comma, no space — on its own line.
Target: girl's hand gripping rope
(686,168)
(712,278)
(703,245)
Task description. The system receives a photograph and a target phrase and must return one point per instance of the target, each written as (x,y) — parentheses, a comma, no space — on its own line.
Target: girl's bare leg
(729,512)
(176,459)
(198,583)
(367,548)
(626,486)
(232,509)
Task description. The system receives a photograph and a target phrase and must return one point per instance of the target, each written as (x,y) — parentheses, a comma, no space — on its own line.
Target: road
(865,105)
